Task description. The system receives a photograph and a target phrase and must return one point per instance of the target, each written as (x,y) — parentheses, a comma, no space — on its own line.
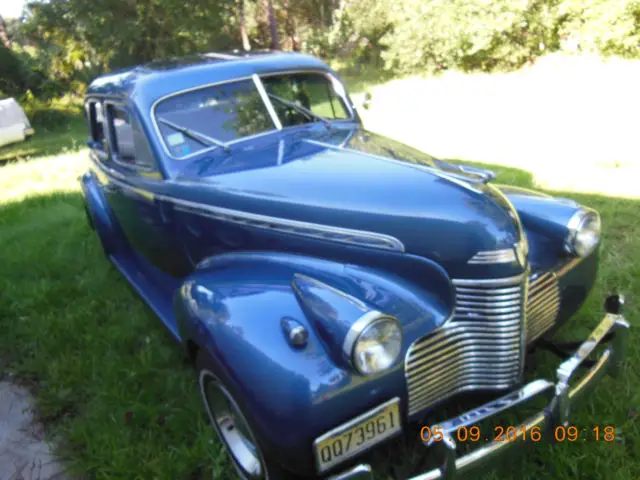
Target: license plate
(357,435)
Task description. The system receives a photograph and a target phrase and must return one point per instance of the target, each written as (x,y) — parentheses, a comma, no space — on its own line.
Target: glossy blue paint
(576,281)
(332,312)
(543,214)
(100,216)
(313,224)
(299,392)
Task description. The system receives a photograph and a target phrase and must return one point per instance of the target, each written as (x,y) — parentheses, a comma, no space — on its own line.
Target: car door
(132,182)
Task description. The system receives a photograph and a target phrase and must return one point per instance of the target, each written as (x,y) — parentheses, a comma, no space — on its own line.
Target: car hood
(351,178)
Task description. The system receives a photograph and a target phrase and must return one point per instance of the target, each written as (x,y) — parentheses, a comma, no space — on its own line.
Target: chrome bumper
(562,397)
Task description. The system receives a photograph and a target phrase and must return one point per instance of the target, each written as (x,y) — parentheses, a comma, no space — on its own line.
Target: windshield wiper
(200,137)
(299,108)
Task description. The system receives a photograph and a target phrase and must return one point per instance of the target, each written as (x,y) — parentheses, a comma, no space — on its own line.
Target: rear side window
(123,148)
(129,143)
(96,125)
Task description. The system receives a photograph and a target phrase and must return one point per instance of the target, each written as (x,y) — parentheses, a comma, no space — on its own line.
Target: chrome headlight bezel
(580,223)
(359,330)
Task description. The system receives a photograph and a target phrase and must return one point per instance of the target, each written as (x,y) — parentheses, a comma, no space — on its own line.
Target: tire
(234,427)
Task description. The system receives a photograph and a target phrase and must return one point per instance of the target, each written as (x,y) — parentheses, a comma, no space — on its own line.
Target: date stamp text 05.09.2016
(500,433)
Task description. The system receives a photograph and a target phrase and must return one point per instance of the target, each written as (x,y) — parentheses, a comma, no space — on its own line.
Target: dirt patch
(24,452)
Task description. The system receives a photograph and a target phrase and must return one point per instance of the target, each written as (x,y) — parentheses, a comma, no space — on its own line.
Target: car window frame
(97,103)
(114,153)
(333,80)
(278,127)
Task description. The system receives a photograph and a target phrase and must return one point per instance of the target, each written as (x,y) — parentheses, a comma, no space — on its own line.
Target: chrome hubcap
(231,426)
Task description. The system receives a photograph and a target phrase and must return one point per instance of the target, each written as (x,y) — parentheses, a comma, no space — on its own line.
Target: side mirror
(366,103)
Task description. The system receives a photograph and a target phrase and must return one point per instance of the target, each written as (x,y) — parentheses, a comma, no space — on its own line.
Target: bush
(429,36)
(13,77)
(601,26)
(52,114)
(466,34)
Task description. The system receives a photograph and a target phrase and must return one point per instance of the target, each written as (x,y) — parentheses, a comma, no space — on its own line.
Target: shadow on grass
(104,372)
(69,135)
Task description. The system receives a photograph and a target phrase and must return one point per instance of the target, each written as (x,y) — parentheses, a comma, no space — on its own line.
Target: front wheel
(234,428)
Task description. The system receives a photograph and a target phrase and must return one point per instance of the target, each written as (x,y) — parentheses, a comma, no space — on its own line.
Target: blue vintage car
(330,285)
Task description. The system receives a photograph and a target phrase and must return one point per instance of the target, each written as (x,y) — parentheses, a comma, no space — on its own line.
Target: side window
(313,91)
(129,143)
(121,133)
(96,125)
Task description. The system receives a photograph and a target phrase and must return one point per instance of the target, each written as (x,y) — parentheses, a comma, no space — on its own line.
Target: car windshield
(212,116)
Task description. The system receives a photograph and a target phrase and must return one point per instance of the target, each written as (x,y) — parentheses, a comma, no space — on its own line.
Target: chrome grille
(479,348)
(542,305)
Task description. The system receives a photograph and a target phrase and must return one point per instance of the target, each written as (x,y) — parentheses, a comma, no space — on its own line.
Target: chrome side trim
(432,170)
(294,227)
(488,282)
(305,278)
(484,257)
(267,102)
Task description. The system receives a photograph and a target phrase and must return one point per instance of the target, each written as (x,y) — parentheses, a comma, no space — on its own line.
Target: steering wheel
(294,117)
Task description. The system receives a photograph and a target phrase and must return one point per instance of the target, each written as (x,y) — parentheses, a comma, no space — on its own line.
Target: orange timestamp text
(500,433)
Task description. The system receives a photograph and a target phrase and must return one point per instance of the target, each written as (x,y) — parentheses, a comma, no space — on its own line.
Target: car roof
(147,83)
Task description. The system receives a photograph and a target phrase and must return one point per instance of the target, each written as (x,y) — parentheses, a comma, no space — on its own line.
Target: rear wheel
(234,428)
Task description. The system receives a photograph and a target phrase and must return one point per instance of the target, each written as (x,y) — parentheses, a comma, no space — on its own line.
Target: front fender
(540,212)
(544,219)
(232,306)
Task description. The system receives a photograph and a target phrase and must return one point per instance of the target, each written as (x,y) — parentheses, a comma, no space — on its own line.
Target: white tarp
(14,124)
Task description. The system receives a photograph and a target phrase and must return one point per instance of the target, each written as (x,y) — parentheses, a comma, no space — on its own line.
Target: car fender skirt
(233,307)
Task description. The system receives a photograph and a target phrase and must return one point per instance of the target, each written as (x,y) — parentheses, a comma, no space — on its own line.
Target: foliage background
(58,46)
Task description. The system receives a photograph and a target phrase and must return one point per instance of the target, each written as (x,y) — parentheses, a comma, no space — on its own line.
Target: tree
(273,26)
(291,26)
(3,33)
(243,26)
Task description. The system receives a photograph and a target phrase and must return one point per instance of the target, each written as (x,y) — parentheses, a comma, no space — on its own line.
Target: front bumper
(562,397)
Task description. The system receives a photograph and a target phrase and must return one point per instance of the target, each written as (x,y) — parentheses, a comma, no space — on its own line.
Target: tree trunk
(3,33)
(291,27)
(273,27)
(246,46)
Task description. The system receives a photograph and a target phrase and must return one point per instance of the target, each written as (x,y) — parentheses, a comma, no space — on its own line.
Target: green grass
(113,387)
(47,141)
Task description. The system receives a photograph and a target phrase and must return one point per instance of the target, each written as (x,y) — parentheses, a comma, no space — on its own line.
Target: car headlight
(584,233)
(373,343)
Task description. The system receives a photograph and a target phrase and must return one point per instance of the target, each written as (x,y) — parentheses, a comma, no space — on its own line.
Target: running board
(160,300)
